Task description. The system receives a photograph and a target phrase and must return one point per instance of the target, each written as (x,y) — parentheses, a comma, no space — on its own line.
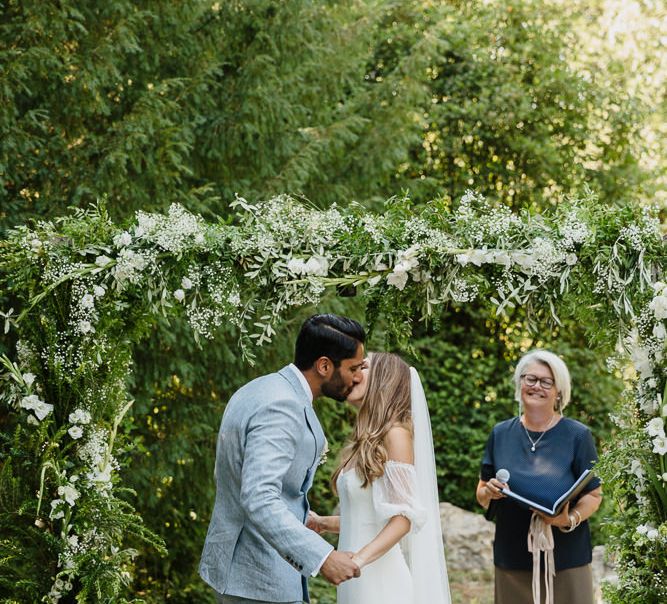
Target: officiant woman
(539,559)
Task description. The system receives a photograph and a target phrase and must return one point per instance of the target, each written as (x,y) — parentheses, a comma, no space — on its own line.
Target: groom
(257,548)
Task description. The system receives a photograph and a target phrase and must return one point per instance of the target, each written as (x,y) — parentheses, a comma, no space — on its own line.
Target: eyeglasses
(532,380)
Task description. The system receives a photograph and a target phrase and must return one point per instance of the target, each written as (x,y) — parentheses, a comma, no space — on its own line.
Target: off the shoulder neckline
(392,462)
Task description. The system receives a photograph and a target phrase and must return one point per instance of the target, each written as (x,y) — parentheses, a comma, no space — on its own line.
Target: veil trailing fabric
(424,550)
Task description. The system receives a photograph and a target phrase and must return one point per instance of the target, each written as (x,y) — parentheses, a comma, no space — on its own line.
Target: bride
(389,514)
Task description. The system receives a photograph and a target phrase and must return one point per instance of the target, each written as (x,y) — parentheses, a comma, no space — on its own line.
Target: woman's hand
(322,524)
(488,490)
(494,488)
(563,519)
(315,522)
(360,561)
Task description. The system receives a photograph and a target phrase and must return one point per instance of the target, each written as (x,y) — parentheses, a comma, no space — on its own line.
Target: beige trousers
(571,586)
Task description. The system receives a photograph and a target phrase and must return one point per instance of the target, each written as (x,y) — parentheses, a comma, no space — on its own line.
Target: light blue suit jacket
(269,446)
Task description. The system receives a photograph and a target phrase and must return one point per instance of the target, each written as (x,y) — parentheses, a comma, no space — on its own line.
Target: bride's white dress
(363,514)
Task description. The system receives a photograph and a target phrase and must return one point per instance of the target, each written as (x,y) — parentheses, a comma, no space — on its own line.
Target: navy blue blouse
(560,457)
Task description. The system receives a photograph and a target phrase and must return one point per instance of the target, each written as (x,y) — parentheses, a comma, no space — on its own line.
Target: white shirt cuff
(317,568)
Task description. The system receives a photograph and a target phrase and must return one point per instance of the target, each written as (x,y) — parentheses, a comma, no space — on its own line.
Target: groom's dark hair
(330,336)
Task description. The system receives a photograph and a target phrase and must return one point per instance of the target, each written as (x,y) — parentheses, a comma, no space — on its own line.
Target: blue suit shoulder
(267,389)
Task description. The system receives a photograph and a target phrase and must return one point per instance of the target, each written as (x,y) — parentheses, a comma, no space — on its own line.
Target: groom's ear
(324,367)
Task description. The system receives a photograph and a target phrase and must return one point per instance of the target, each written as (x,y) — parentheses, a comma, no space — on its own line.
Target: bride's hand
(314,522)
(358,560)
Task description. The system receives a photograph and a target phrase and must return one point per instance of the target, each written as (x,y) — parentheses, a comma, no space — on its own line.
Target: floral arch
(84,291)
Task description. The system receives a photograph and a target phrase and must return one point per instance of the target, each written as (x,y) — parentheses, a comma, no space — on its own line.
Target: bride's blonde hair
(385,405)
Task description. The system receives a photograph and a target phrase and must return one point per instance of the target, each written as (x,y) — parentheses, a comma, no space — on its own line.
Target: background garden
(144,104)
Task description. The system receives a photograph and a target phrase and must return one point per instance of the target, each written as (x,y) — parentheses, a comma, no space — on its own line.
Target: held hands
(339,567)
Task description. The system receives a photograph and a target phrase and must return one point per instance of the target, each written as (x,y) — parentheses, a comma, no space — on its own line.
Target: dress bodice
(359,522)
(385,581)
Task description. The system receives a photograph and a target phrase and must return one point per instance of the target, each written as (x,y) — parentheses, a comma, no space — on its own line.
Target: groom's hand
(339,567)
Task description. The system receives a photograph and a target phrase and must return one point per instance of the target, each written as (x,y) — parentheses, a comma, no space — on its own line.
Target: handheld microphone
(503,475)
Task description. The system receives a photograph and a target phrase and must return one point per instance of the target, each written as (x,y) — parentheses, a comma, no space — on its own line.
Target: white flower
(296,266)
(59,514)
(32,420)
(69,494)
(409,258)
(80,416)
(75,432)
(636,468)
(73,541)
(502,258)
(525,260)
(100,476)
(99,291)
(642,529)
(478,257)
(659,286)
(325,453)
(28,378)
(571,259)
(85,326)
(660,444)
(33,403)
(130,265)
(656,427)
(122,239)
(102,261)
(398,279)
(88,301)
(659,331)
(179,294)
(186,283)
(659,307)
(642,362)
(664,477)
(652,534)
(317,265)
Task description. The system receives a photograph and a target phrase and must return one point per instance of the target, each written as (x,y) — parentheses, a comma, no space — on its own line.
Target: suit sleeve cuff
(317,568)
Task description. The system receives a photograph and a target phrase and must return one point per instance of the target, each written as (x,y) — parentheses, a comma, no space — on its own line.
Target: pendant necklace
(534,442)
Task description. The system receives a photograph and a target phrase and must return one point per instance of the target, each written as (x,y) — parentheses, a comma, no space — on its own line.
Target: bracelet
(574,522)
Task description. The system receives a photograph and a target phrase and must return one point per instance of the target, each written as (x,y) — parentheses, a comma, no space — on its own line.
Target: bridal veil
(424,550)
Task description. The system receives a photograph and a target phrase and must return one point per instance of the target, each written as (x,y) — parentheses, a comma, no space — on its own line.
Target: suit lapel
(310,415)
(316,429)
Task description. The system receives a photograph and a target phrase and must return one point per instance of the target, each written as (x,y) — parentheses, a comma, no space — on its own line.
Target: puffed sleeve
(395,494)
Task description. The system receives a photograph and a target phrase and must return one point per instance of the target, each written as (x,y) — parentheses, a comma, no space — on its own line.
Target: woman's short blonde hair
(558,368)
